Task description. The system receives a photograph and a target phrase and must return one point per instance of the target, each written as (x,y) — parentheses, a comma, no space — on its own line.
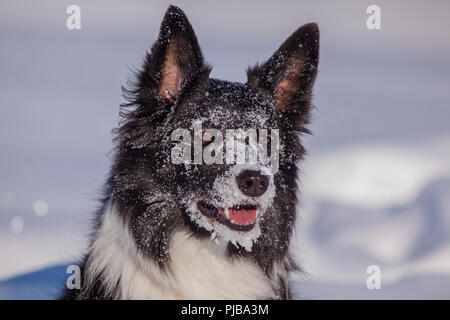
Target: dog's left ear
(288,76)
(175,60)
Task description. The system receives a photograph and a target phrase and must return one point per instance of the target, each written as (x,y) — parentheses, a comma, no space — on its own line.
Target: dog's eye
(264,141)
(205,137)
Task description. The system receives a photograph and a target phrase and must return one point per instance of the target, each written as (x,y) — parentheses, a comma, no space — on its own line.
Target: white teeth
(227,216)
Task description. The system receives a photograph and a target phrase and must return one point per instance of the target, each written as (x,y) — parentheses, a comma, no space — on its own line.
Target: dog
(172,227)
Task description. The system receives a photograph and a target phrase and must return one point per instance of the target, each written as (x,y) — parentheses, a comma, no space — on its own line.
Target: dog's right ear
(175,60)
(288,76)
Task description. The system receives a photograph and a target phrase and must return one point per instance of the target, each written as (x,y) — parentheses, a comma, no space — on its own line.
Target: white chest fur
(198,269)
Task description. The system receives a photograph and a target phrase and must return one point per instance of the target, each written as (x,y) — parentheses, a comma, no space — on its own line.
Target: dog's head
(213,156)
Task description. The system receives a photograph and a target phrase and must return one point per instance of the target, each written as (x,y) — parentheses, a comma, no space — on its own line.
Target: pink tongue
(242,216)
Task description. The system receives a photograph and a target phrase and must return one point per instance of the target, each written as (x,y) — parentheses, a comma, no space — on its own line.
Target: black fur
(148,189)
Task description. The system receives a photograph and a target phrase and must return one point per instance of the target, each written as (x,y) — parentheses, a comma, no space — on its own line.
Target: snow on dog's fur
(196,230)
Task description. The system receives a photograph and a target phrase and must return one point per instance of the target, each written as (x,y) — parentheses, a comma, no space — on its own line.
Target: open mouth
(240,217)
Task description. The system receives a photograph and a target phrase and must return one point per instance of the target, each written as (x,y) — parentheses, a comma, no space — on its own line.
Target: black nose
(252,183)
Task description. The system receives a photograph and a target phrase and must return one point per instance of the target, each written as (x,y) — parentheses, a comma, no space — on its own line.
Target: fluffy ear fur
(174,63)
(288,76)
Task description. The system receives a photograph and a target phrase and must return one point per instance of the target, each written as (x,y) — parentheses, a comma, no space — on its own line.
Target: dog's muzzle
(252,183)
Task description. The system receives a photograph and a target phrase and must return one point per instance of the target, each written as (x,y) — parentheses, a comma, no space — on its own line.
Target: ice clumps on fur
(226,194)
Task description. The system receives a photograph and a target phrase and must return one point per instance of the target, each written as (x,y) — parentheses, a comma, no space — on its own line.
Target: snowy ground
(375,185)
(384,205)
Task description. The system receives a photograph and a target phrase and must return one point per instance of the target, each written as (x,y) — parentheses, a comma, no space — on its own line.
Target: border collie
(181,216)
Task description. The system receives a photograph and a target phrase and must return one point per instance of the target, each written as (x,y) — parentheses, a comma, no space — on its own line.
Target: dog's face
(210,155)
(227,198)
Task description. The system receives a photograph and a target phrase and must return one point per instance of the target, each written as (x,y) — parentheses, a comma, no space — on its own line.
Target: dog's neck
(197,269)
